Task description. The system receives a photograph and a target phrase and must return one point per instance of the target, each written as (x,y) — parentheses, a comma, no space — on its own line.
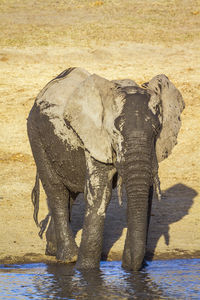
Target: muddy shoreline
(42,258)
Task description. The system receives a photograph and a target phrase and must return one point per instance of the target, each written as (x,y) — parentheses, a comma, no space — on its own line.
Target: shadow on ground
(174,205)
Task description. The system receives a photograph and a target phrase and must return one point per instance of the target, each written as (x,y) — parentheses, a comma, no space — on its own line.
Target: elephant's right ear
(91,111)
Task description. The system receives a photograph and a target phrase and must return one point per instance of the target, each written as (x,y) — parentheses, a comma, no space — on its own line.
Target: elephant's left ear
(172,105)
(91,111)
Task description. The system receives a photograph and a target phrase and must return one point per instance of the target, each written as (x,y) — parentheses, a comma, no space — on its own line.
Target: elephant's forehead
(137,114)
(136,102)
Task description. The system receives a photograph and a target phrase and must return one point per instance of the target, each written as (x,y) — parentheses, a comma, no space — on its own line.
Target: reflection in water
(172,279)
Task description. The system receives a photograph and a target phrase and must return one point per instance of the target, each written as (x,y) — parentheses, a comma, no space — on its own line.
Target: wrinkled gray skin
(84,131)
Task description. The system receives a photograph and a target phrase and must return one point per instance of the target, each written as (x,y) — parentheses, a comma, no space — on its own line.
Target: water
(169,279)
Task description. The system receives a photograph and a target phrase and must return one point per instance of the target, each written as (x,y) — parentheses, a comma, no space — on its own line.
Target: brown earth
(115,39)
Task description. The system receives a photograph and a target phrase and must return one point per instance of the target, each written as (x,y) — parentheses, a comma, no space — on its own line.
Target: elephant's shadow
(174,205)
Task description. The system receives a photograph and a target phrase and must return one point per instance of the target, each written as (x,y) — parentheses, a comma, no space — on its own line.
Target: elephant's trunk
(137,178)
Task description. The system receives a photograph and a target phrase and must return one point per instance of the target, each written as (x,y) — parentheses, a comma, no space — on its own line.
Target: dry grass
(82,23)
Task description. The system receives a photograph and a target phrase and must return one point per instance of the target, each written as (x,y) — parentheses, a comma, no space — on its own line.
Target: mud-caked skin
(85,132)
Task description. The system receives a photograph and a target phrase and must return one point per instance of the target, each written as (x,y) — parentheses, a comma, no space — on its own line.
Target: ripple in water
(169,279)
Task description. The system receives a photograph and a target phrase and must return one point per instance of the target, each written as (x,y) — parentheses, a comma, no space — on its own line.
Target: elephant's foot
(51,248)
(67,254)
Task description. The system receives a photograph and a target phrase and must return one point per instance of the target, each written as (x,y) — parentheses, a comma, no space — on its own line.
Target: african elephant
(85,131)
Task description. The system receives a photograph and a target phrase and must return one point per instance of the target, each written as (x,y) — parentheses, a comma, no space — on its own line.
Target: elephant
(88,135)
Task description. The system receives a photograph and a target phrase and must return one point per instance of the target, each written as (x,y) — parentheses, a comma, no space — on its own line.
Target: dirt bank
(115,39)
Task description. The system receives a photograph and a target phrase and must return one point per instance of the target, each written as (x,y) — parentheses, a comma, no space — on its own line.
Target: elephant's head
(129,127)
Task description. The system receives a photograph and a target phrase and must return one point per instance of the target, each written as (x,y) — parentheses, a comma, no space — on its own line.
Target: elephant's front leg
(97,195)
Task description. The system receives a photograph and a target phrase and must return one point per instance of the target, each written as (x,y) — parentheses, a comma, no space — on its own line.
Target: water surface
(169,279)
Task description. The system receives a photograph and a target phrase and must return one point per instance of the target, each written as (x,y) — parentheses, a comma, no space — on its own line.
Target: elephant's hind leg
(51,247)
(58,200)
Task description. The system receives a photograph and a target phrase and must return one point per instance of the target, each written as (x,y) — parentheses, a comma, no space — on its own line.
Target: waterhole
(167,279)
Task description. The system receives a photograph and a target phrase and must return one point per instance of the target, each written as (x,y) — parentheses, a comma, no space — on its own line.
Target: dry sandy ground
(115,39)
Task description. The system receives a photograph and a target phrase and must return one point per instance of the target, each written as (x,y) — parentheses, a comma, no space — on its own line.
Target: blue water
(167,279)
